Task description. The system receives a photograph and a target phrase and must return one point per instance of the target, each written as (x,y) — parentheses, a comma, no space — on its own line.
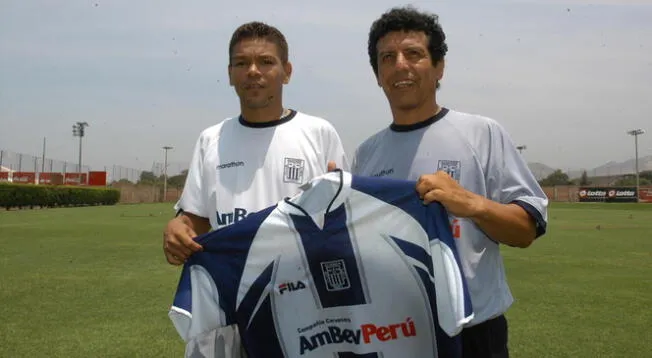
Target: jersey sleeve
(354,162)
(193,198)
(454,306)
(509,180)
(195,311)
(335,150)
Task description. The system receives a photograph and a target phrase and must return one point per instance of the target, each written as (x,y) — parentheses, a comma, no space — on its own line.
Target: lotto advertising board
(608,194)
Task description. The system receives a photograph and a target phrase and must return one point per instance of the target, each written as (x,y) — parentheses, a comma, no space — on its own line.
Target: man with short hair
(479,176)
(251,161)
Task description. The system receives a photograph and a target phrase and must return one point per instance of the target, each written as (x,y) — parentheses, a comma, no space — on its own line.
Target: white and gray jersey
(478,153)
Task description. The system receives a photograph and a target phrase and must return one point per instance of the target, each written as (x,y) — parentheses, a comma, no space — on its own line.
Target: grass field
(92,282)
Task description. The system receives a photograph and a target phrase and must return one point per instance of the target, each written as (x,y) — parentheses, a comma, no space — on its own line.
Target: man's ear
(287,67)
(228,69)
(440,69)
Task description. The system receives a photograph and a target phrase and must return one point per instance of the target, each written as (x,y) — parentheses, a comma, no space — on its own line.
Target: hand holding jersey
(178,243)
(441,187)
(506,223)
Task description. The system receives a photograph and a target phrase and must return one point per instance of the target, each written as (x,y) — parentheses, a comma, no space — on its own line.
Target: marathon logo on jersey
(293,170)
(335,275)
(452,167)
(232,217)
(366,334)
(291,287)
(383,173)
(230,165)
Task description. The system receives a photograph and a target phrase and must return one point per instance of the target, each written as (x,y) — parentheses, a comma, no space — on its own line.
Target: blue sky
(566,78)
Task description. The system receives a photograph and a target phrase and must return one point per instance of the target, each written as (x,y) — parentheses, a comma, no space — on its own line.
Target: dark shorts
(486,340)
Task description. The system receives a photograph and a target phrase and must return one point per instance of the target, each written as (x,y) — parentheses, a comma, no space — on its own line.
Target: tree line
(149,178)
(558,177)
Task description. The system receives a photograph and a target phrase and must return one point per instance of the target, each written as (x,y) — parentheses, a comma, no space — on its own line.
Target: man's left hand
(444,189)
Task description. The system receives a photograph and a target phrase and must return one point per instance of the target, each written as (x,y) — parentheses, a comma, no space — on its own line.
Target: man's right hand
(178,243)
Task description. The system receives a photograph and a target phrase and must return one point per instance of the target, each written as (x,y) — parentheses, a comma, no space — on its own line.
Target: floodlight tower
(165,172)
(521,148)
(636,133)
(78,130)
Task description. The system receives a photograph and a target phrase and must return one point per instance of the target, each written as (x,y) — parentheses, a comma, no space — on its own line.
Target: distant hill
(616,168)
(608,169)
(540,170)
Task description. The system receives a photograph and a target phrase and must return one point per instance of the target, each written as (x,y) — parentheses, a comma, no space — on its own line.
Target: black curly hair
(259,30)
(408,19)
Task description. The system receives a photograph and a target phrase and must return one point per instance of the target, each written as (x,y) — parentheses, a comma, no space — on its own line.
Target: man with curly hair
(466,162)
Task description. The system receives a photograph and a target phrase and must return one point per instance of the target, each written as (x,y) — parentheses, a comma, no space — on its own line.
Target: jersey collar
(411,127)
(282,120)
(319,197)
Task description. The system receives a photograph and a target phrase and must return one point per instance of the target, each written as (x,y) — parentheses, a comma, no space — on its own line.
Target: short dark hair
(259,30)
(408,19)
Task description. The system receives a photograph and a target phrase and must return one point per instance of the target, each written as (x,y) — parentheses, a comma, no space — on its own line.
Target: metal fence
(21,162)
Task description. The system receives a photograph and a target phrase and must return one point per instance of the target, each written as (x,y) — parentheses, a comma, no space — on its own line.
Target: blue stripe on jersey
(183,296)
(354,355)
(446,346)
(255,293)
(331,259)
(222,256)
(260,339)
(416,252)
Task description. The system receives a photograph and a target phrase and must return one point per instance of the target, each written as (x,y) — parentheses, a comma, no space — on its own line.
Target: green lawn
(92,282)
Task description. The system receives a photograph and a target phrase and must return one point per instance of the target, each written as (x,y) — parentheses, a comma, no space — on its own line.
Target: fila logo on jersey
(293,170)
(335,275)
(367,333)
(452,167)
(234,216)
(230,165)
(291,286)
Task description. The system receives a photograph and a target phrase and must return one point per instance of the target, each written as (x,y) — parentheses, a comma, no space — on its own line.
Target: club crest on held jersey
(452,167)
(335,275)
(293,170)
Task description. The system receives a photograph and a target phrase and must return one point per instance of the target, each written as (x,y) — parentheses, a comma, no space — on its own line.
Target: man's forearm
(508,224)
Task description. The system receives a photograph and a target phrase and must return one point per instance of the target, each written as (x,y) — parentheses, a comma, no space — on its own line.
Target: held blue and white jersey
(350,267)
